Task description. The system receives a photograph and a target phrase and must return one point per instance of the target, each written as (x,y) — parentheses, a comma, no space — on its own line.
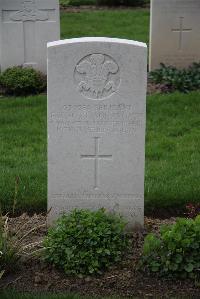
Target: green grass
(172,144)
(23,152)
(172,173)
(129,24)
(172,151)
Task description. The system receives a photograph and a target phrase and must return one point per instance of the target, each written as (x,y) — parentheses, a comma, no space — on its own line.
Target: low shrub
(77,2)
(184,80)
(176,251)
(109,2)
(85,242)
(134,2)
(22,81)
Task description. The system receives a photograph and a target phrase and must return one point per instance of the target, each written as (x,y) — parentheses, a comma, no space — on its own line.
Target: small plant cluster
(184,80)
(85,242)
(176,251)
(193,210)
(22,81)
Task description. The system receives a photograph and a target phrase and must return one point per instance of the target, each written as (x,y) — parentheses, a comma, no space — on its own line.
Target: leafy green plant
(183,80)
(176,251)
(22,81)
(86,242)
(77,2)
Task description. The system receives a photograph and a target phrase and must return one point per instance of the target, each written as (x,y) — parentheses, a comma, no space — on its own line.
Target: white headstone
(174,33)
(96,126)
(25,28)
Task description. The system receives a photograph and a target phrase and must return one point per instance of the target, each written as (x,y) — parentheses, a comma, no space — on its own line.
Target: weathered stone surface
(174,33)
(25,28)
(96,126)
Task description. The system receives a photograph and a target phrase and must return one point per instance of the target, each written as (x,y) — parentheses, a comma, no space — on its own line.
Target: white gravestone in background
(96,126)
(25,28)
(174,33)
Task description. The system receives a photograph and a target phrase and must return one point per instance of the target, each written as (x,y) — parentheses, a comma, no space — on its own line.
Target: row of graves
(96,99)
(26,26)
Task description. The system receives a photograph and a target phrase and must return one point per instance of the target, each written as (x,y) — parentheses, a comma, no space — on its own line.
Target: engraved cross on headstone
(96,157)
(29,15)
(181,30)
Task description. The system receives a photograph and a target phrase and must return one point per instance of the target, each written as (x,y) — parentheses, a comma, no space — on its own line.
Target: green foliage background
(22,81)
(184,80)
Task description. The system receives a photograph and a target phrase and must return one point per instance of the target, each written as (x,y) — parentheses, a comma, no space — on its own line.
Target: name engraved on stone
(97,76)
(117,118)
(181,30)
(96,157)
(97,195)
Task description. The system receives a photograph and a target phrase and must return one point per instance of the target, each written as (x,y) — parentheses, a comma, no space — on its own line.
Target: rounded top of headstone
(97,40)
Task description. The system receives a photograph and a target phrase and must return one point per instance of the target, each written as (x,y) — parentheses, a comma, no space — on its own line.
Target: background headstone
(96,126)
(174,33)
(25,28)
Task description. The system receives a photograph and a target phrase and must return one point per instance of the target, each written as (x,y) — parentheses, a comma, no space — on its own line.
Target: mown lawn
(172,173)
(23,153)
(130,24)
(172,152)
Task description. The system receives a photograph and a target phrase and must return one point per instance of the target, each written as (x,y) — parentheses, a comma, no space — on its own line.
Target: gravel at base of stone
(123,280)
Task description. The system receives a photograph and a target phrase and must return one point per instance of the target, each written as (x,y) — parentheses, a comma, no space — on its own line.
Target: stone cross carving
(96,157)
(181,30)
(29,14)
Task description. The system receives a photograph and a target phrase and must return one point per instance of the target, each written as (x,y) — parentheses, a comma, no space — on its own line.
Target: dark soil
(77,9)
(153,88)
(123,280)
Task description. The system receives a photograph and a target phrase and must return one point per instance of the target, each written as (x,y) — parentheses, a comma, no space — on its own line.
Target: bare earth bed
(124,280)
(82,8)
